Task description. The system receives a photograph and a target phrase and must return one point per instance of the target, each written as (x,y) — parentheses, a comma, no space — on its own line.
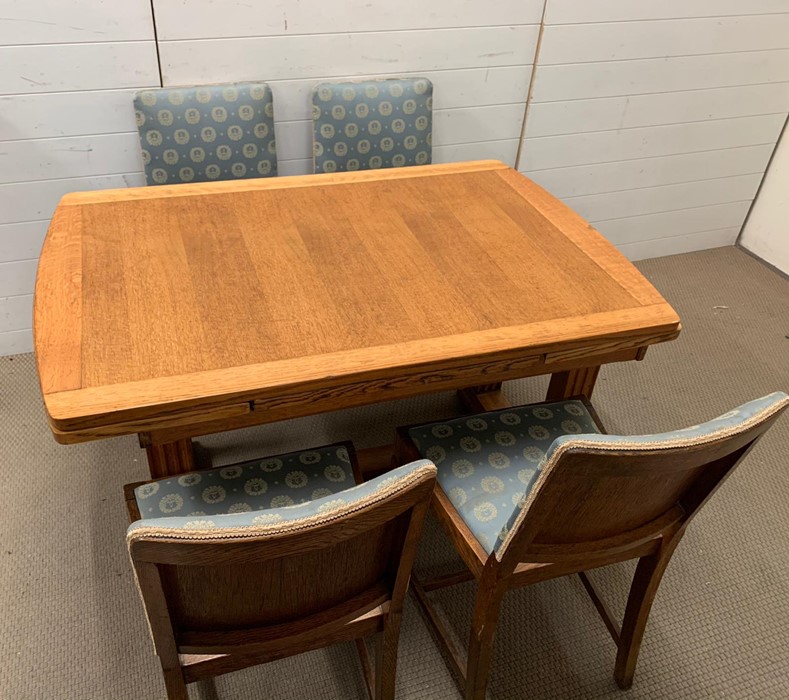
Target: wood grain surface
(317,292)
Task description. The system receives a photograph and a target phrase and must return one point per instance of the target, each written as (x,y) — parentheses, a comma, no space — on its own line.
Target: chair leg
(386,657)
(480,644)
(645,584)
(175,684)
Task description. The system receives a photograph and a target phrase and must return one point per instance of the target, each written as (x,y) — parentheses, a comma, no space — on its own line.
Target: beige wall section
(766,233)
(655,119)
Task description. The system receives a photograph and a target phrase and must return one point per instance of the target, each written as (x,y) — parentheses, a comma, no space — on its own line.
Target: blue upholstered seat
(272,482)
(372,124)
(489,463)
(213,132)
(272,519)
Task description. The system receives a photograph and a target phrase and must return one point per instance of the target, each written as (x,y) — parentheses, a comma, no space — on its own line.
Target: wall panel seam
(70,136)
(603,98)
(657,187)
(361,76)
(670,211)
(368,31)
(29,221)
(532,80)
(662,19)
(156,41)
(669,155)
(654,92)
(665,155)
(5,95)
(19,260)
(659,57)
(679,235)
(65,179)
(644,126)
(112,42)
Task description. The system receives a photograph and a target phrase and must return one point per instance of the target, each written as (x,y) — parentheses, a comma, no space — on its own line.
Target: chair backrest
(229,580)
(370,124)
(599,491)
(204,133)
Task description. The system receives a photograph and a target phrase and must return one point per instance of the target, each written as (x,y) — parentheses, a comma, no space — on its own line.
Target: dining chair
(208,132)
(247,578)
(530,493)
(370,124)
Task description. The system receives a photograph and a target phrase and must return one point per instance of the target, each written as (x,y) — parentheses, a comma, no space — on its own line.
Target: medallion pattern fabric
(277,519)
(213,132)
(736,419)
(488,463)
(272,482)
(372,124)
(730,423)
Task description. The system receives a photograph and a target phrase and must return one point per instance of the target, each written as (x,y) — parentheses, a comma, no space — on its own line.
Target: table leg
(374,461)
(170,458)
(575,382)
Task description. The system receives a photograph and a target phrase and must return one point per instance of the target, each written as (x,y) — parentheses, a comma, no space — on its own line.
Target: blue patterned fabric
(273,482)
(372,124)
(731,423)
(255,523)
(214,132)
(487,464)
(733,420)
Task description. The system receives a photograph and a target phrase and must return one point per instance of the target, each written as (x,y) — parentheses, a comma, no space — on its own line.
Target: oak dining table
(178,311)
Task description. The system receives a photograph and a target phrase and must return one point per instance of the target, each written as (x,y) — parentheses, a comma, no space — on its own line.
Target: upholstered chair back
(204,133)
(215,582)
(370,124)
(596,490)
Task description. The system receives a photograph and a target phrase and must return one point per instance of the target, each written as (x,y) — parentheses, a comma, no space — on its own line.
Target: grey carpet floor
(71,624)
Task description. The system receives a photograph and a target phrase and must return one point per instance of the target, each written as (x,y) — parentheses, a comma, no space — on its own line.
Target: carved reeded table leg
(170,458)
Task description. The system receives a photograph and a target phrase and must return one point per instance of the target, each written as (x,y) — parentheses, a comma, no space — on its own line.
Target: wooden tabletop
(291,295)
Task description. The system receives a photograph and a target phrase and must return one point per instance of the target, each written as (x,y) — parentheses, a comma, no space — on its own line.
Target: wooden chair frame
(188,655)
(526,562)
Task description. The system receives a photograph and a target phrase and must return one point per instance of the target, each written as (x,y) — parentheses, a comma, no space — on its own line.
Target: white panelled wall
(479,56)
(655,119)
(67,72)
(766,232)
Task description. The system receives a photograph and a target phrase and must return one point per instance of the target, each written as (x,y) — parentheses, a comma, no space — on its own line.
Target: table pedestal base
(171,458)
(574,382)
(563,385)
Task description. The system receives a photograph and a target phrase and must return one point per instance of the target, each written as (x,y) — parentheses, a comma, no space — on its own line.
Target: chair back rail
(225,592)
(285,588)
(594,499)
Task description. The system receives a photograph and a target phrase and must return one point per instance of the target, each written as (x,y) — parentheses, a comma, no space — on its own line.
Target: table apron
(311,402)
